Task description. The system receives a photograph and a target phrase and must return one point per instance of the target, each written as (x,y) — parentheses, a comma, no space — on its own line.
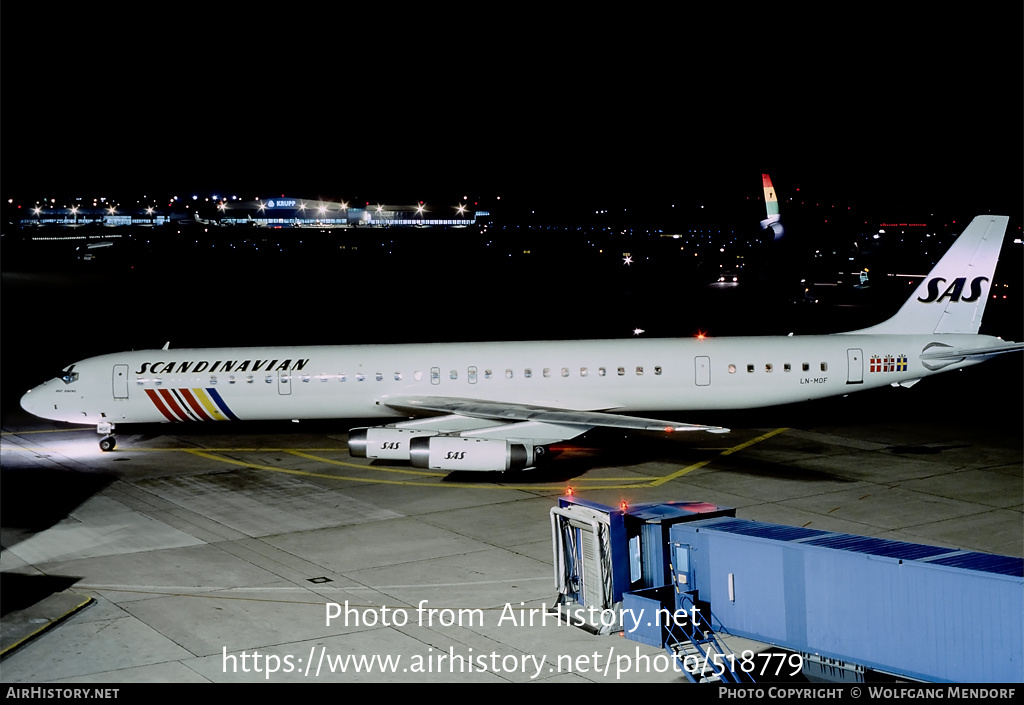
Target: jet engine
(478,454)
(774,224)
(383,443)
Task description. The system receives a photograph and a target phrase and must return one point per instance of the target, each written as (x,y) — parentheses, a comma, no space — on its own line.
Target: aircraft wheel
(107,443)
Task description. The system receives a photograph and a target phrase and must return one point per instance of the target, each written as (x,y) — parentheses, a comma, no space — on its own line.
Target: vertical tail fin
(771,203)
(952,298)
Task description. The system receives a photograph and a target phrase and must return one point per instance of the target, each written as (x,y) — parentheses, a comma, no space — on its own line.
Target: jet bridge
(601,552)
(850,604)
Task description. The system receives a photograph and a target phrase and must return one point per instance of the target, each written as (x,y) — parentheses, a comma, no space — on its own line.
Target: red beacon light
(623,506)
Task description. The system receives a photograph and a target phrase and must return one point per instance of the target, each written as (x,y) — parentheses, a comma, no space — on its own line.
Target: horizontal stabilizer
(950,353)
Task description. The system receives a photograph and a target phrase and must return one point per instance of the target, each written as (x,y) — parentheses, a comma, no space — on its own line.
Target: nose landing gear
(108,441)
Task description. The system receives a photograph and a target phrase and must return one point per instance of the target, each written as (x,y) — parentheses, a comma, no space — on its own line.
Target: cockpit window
(68,376)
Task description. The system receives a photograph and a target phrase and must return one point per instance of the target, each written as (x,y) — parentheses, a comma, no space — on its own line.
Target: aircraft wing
(505,412)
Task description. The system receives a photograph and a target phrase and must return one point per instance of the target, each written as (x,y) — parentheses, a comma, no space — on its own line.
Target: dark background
(612,123)
(913,108)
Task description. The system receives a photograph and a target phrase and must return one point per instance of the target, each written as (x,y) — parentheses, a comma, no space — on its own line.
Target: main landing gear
(108,441)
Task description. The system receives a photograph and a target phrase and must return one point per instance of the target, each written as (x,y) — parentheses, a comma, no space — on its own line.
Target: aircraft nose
(32,402)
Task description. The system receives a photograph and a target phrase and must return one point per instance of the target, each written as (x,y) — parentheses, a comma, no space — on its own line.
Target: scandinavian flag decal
(888,363)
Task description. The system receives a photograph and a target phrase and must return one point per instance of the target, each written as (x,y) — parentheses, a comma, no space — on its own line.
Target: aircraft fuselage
(332,382)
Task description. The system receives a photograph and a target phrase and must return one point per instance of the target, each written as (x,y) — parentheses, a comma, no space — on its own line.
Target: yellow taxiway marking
(215,454)
(728,451)
(364,467)
(46,430)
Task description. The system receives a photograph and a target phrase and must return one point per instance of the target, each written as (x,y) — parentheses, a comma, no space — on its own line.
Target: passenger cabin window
(657,369)
(621,371)
(527,373)
(471,374)
(732,369)
(435,375)
(806,367)
(824,367)
(639,371)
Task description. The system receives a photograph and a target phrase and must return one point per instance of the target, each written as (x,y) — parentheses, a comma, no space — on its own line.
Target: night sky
(899,111)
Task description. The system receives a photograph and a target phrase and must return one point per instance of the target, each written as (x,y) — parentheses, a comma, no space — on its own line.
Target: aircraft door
(702,370)
(855,362)
(284,382)
(120,381)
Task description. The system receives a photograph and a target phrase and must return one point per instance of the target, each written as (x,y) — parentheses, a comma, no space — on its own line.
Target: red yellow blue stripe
(191,404)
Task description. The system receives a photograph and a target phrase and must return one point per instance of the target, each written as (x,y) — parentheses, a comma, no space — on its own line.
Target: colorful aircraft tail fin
(771,202)
(952,298)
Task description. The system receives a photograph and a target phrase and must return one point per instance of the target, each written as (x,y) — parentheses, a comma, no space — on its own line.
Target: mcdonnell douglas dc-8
(494,406)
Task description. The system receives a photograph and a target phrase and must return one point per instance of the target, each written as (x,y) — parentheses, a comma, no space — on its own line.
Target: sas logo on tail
(954,291)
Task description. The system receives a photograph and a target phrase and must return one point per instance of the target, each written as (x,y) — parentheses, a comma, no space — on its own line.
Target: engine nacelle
(773,223)
(382,443)
(472,454)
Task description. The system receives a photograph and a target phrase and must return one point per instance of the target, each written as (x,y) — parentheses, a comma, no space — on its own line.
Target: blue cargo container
(924,612)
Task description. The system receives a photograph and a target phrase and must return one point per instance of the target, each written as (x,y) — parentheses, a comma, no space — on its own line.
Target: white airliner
(498,406)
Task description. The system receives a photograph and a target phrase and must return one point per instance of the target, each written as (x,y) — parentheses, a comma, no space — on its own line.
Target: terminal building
(282,212)
(286,212)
